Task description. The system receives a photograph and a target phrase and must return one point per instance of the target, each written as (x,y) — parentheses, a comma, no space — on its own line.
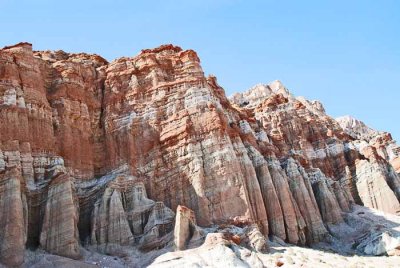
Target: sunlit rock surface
(97,156)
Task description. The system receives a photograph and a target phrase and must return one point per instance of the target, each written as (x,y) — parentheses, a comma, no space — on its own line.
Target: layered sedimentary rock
(383,142)
(13,217)
(124,215)
(60,222)
(110,225)
(119,146)
(294,222)
(269,193)
(373,188)
(164,97)
(301,129)
(186,230)
(301,188)
(255,239)
(356,128)
(326,200)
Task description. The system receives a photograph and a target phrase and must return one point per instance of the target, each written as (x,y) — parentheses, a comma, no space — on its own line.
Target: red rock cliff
(120,144)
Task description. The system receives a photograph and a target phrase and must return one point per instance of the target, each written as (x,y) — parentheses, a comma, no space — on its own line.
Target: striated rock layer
(13,217)
(100,154)
(59,233)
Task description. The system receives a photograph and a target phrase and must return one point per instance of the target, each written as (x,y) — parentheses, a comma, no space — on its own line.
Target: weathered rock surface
(383,142)
(294,222)
(364,227)
(373,188)
(326,199)
(356,128)
(255,239)
(110,225)
(381,244)
(103,153)
(186,229)
(60,222)
(124,215)
(396,165)
(300,186)
(13,217)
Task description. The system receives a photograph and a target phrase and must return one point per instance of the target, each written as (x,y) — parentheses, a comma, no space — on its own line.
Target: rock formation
(186,230)
(13,217)
(373,188)
(356,128)
(385,146)
(124,215)
(59,233)
(300,186)
(100,154)
(254,239)
(327,202)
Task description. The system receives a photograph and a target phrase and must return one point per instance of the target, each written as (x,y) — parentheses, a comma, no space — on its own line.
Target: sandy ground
(221,256)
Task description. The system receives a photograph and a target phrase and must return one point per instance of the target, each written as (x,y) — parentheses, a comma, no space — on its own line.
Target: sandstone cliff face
(59,233)
(164,97)
(119,146)
(13,217)
(186,232)
(356,128)
(300,185)
(385,146)
(124,216)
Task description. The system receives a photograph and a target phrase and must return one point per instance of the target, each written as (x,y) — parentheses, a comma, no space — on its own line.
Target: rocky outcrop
(326,199)
(13,217)
(273,207)
(124,215)
(356,128)
(184,222)
(59,233)
(373,188)
(300,186)
(217,250)
(186,233)
(387,149)
(299,128)
(294,221)
(379,244)
(110,226)
(164,97)
(119,146)
(158,230)
(254,239)
(383,142)
(396,165)
(342,196)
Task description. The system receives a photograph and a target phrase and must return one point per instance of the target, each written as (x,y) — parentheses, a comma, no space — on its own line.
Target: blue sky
(344,53)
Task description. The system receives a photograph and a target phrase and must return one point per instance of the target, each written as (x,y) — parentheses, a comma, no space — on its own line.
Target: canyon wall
(100,154)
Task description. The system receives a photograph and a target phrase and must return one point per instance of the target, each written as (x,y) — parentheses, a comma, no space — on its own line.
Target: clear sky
(344,53)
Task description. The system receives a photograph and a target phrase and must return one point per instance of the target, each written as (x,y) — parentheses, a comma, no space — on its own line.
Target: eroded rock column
(59,231)
(12,218)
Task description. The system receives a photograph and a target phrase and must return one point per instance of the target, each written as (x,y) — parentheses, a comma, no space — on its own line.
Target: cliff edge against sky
(148,153)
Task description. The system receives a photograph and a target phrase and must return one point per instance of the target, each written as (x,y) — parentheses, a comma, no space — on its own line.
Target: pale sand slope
(222,256)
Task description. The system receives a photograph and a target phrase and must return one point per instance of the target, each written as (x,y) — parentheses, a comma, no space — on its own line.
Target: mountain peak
(356,128)
(258,93)
(163,48)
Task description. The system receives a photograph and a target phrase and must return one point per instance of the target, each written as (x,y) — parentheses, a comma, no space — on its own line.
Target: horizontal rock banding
(119,146)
